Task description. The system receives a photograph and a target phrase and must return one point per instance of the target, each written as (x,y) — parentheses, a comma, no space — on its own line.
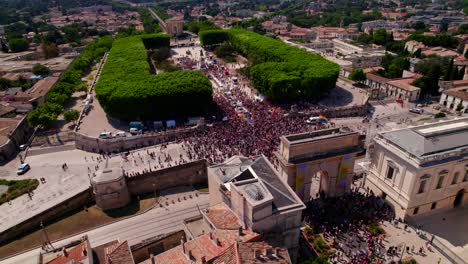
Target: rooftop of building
(223,246)
(39,89)
(208,246)
(459,92)
(430,139)
(108,175)
(319,135)
(222,217)
(405,84)
(8,125)
(77,253)
(118,253)
(259,173)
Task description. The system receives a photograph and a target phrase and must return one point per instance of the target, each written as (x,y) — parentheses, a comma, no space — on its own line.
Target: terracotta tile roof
(13,76)
(210,246)
(41,88)
(5,109)
(460,92)
(223,217)
(118,253)
(229,256)
(100,251)
(7,125)
(76,254)
(459,83)
(268,253)
(405,84)
(377,78)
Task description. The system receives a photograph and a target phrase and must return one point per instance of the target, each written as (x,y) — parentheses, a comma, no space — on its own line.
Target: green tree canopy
(18,44)
(71,115)
(357,75)
(39,69)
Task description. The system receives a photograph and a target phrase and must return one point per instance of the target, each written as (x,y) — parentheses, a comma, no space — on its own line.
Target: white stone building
(252,188)
(421,169)
(456,95)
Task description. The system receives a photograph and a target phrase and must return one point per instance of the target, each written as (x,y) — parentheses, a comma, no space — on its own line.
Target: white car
(120,134)
(135,131)
(313,120)
(416,110)
(105,135)
(23,168)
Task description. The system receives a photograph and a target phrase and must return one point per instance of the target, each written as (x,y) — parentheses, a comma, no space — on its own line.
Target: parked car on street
(416,110)
(105,135)
(23,168)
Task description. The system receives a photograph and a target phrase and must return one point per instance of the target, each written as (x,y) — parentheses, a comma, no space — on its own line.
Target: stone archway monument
(319,161)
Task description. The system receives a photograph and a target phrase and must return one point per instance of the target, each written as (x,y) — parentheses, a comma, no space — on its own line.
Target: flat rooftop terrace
(317,135)
(431,139)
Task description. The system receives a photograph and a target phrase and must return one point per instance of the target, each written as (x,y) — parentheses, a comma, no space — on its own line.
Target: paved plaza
(62,184)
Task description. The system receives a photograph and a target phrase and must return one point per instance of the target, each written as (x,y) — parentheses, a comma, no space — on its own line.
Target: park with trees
(277,70)
(126,89)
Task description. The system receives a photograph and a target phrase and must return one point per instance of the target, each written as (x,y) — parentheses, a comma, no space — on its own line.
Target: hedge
(156,41)
(279,71)
(126,89)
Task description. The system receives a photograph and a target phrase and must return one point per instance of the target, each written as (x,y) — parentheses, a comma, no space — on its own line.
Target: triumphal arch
(318,162)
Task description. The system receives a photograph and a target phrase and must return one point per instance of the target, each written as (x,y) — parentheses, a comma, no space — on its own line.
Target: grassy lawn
(17,188)
(74,223)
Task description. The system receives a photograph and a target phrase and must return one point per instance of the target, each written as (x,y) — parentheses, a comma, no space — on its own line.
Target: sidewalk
(397,236)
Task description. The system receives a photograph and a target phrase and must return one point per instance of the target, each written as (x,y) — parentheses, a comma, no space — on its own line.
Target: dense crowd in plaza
(250,128)
(345,222)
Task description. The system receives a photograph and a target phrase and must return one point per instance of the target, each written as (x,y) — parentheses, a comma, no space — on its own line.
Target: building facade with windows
(421,169)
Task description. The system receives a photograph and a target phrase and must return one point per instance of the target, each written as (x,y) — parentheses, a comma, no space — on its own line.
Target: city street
(158,221)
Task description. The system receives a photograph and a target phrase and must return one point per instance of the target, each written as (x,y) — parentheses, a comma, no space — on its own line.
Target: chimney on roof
(241,231)
(211,236)
(203,259)
(190,255)
(85,252)
(218,242)
(257,254)
(65,253)
(152,259)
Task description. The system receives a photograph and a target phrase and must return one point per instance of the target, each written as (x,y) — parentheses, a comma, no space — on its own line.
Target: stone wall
(116,145)
(156,245)
(17,137)
(347,111)
(76,202)
(193,173)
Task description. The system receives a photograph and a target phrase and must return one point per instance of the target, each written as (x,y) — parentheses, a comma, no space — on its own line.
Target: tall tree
(357,75)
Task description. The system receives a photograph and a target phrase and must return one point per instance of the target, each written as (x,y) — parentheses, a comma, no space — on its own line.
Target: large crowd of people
(250,127)
(345,222)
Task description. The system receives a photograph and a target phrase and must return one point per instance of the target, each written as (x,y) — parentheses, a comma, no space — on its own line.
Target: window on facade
(455,177)
(465,178)
(440,182)
(433,206)
(416,210)
(422,186)
(390,172)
